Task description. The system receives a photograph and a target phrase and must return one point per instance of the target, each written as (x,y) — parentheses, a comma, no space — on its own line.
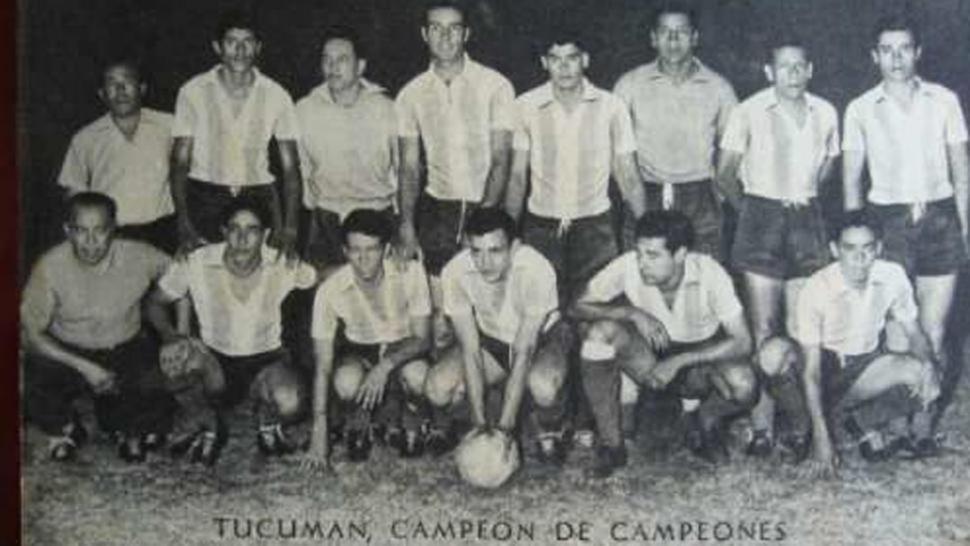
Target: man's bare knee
(347,380)
(777,356)
(413,376)
(742,381)
(441,384)
(287,400)
(544,386)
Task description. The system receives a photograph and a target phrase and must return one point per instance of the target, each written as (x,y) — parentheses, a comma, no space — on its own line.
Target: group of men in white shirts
(463,243)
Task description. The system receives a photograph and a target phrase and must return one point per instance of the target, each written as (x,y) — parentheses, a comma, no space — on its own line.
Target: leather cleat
(181,444)
(607,460)
(761,445)
(272,441)
(797,448)
(63,449)
(440,441)
(411,444)
(704,443)
(153,441)
(130,449)
(924,448)
(358,445)
(206,448)
(552,448)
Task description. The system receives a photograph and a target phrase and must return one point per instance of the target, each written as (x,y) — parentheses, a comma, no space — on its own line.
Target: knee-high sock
(601,382)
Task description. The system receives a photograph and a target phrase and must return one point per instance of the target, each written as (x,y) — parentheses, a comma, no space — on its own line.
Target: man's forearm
(601,311)
(812,380)
(515,386)
(727,180)
(324,356)
(719,351)
(45,345)
(960,174)
(515,194)
(179,179)
(406,350)
(475,384)
(159,316)
(631,187)
(292,186)
(498,175)
(852,166)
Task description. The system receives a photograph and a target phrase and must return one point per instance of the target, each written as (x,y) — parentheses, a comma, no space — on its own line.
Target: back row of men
(348,147)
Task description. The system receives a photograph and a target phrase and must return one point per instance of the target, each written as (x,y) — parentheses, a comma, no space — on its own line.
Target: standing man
(571,135)
(679,108)
(224,120)
(842,312)
(912,136)
(236,288)
(458,113)
(783,141)
(384,314)
(500,294)
(124,155)
(81,320)
(348,146)
(679,327)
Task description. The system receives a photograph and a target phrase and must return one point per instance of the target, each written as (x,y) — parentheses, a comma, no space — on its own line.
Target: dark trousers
(162,233)
(207,202)
(141,404)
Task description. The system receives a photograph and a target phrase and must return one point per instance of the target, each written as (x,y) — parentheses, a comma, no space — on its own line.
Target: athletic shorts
(241,371)
(440,225)
(925,244)
(778,240)
(558,337)
(840,376)
(699,202)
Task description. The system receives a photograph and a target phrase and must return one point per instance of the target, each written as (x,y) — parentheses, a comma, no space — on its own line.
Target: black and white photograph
(397,272)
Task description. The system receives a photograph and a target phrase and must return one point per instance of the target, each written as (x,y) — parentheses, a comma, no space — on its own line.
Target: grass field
(663,495)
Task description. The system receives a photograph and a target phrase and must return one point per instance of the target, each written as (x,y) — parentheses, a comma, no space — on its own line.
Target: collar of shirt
(468,68)
(146,116)
(212,76)
(106,263)
(699,72)
(367,87)
(772,100)
(841,287)
(921,89)
(212,255)
(545,95)
(349,282)
(472,271)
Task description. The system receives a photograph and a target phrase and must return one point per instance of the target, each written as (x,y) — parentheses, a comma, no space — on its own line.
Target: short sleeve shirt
(345,151)
(454,122)
(228,324)
(227,149)
(371,316)
(571,153)
(93,307)
(676,124)
(133,172)
(781,160)
(849,321)
(705,299)
(529,289)
(906,152)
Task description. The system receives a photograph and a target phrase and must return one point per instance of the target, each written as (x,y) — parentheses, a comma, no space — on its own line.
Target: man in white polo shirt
(371,331)
(124,155)
(783,142)
(679,108)
(458,113)
(571,136)
(224,120)
(236,288)
(842,313)
(500,294)
(912,136)
(679,327)
(348,146)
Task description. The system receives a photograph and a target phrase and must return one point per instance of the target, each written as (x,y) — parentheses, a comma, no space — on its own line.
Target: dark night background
(63,44)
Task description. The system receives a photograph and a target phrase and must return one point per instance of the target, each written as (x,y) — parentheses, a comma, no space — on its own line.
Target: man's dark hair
(562,34)
(344,32)
(668,7)
(237,18)
(897,21)
(487,220)
(457,5)
(862,218)
(674,227)
(786,38)
(91,199)
(245,203)
(131,63)
(367,222)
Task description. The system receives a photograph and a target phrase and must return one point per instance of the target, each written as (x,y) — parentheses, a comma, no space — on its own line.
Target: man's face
(789,71)
(122,90)
(896,54)
(341,67)
(674,38)
(238,49)
(244,235)
(90,233)
(491,254)
(566,65)
(656,263)
(446,34)
(856,250)
(365,254)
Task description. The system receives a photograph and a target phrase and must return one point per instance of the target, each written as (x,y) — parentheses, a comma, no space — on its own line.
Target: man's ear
(834,249)
(769,73)
(67,229)
(102,96)
(680,254)
(424,34)
(361,67)
(878,249)
(217,48)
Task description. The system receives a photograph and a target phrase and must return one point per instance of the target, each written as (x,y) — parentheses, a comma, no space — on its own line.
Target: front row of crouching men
(659,318)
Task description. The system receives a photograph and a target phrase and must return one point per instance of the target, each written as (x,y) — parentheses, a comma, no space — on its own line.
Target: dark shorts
(207,201)
(440,224)
(161,233)
(780,241)
(241,371)
(324,245)
(838,379)
(931,245)
(368,352)
(577,253)
(699,202)
(558,337)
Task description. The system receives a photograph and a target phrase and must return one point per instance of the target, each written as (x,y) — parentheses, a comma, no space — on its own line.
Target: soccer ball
(487,458)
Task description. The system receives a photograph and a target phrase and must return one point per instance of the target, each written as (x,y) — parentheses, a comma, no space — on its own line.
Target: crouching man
(236,288)
(371,331)
(679,326)
(842,313)
(500,294)
(81,322)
